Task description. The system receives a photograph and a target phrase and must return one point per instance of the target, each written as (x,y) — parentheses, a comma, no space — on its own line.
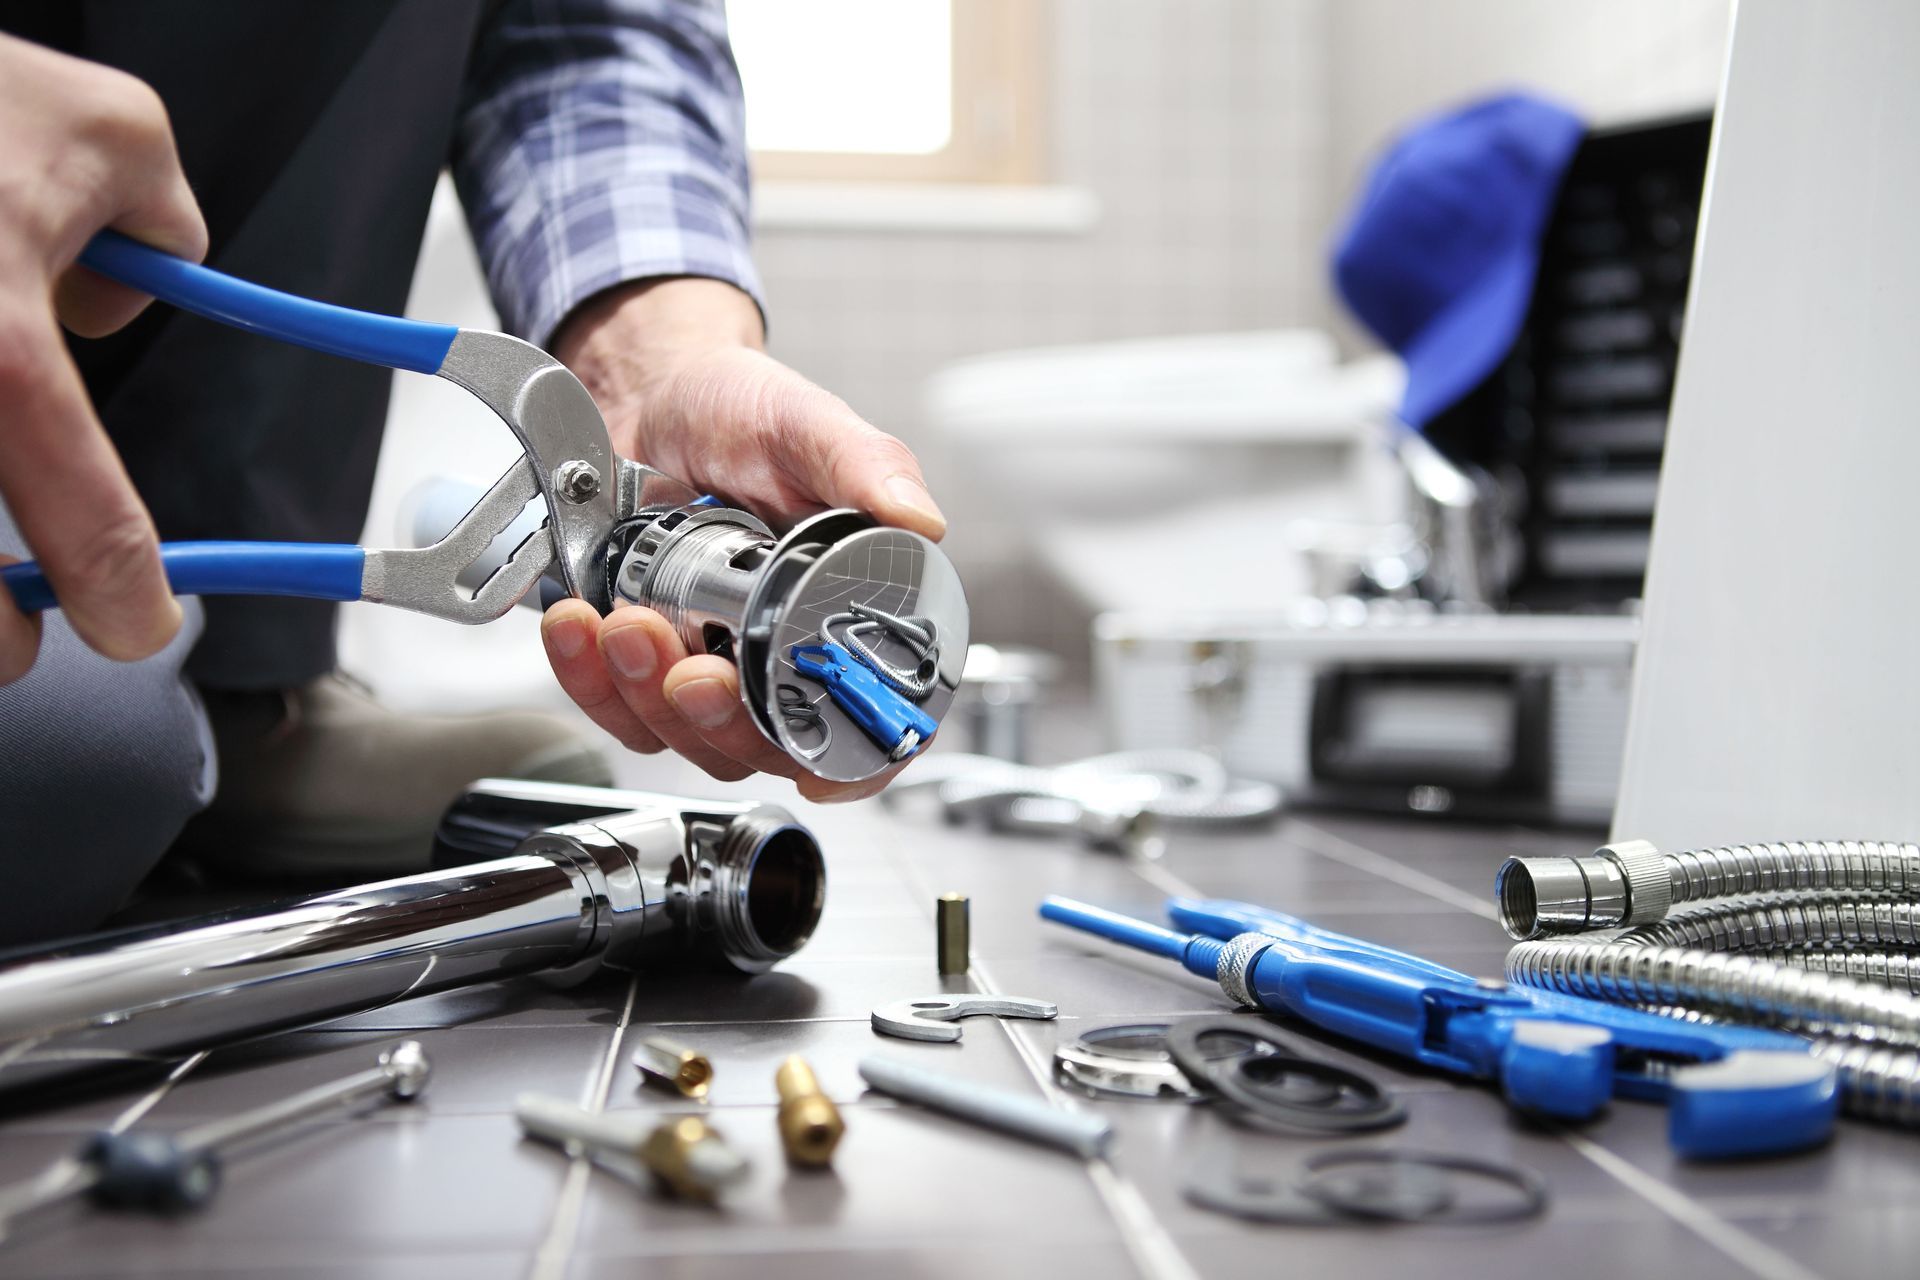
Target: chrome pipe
(626,879)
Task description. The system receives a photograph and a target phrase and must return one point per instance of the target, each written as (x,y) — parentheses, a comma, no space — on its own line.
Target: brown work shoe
(323,783)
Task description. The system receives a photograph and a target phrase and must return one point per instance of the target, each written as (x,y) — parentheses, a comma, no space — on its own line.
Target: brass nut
(953,946)
(690,1159)
(810,1125)
(674,1066)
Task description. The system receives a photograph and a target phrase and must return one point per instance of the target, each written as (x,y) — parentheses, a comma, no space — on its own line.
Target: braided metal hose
(1738,987)
(1877,1082)
(1897,969)
(1633,883)
(1781,922)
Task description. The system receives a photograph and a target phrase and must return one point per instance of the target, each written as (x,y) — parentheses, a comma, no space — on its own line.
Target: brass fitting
(674,1066)
(689,1159)
(952,947)
(810,1125)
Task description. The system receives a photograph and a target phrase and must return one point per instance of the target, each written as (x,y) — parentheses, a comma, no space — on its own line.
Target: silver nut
(1649,881)
(576,481)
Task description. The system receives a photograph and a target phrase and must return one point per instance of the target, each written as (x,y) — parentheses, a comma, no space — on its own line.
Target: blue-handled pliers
(1731,1091)
(568,460)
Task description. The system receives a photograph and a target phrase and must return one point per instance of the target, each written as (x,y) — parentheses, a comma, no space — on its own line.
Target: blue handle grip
(312,570)
(881,713)
(358,335)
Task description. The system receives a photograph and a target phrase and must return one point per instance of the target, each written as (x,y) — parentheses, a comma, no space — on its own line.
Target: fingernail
(708,703)
(568,637)
(911,494)
(630,650)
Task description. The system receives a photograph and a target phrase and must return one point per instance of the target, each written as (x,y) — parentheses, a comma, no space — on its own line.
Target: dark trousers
(312,132)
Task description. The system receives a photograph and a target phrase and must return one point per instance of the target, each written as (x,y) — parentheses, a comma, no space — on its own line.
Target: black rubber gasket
(1316,1184)
(1358,1105)
(1417,1197)
(1184,1037)
(1344,1102)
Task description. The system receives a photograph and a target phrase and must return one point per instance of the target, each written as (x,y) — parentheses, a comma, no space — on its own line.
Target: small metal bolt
(576,481)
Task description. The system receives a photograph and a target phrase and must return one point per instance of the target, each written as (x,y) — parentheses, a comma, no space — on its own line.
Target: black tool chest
(1569,429)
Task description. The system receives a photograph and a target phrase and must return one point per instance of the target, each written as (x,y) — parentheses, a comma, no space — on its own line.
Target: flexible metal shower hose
(1818,937)
(1859,866)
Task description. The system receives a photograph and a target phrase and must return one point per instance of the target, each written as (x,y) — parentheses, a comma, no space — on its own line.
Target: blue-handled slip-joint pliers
(567,461)
(884,715)
(1731,1091)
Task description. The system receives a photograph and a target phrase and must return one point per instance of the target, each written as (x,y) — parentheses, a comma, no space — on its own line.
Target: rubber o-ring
(1375,1109)
(1315,1185)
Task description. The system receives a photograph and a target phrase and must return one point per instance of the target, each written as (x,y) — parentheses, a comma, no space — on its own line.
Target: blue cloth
(1438,257)
(602,141)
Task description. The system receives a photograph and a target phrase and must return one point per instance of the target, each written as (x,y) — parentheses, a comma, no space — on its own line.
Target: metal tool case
(1510,717)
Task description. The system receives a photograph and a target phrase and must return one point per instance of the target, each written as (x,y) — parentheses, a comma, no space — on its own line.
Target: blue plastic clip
(882,713)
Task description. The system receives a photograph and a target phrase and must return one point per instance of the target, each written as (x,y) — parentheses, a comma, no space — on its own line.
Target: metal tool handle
(319,326)
(1031,1118)
(311,570)
(562,1123)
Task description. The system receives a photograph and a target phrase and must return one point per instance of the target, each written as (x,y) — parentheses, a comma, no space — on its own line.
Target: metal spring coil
(1745,988)
(1785,922)
(1796,865)
(1877,1082)
(1899,970)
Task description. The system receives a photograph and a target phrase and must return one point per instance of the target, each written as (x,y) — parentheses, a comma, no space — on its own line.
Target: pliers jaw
(565,440)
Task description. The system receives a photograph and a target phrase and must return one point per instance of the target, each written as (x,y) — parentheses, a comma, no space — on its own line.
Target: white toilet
(1166,473)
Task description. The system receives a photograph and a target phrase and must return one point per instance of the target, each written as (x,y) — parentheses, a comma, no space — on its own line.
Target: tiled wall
(1221,138)
(1201,127)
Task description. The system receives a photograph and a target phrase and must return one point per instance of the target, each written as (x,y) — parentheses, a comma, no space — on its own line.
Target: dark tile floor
(447,1187)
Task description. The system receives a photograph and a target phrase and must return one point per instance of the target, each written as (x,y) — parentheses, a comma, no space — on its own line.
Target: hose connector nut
(1649,881)
(1628,883)
(689,1159)
(674,1066)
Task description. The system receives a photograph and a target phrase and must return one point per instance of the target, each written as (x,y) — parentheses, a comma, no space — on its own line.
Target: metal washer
(1092,1061)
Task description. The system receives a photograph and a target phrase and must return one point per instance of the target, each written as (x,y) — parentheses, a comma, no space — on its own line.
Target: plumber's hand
(678,371)
(81,147)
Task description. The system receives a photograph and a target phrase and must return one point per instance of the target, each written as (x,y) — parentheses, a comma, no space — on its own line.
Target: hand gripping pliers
(1731,1091)
(568,460)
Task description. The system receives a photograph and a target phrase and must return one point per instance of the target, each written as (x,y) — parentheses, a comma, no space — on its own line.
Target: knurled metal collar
(1236,958)
(1649,880)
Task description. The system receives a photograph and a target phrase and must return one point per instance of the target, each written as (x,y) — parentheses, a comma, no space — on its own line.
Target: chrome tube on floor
(624,879)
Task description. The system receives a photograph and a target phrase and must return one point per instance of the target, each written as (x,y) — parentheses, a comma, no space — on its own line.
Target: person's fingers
(141,191)
(19,636)
(705,691)
(75,506)
(822,791)
(640,648)
(569,630)
(837,455)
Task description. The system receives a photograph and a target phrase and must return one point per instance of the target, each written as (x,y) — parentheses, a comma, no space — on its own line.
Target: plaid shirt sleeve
(602,141)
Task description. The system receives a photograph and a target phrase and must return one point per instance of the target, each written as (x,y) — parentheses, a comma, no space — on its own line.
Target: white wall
(1776,696)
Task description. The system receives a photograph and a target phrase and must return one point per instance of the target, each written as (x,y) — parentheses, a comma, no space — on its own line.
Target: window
(915,90)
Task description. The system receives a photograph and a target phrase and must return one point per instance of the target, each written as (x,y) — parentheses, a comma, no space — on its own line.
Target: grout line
(131,1116)
(1350,854)
(556,1251)
(1757,1256)
(61,1174)
(1152,1247)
